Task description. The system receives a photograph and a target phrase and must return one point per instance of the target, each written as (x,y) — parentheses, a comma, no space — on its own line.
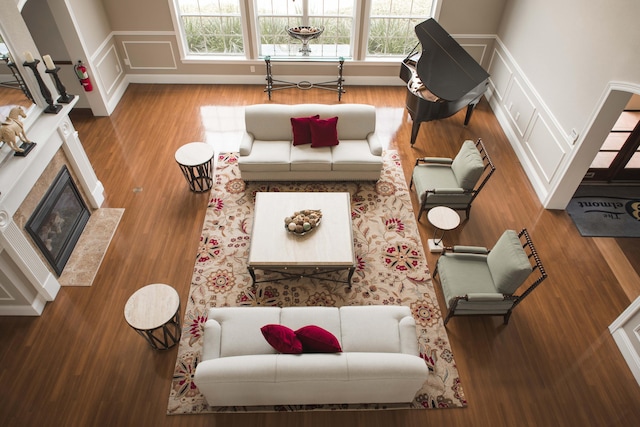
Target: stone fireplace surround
(27,282)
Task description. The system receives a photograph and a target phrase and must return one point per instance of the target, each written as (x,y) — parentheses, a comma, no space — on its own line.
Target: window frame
(359,46)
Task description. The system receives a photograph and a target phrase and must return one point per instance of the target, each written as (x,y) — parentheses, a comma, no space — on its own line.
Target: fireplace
(58,220)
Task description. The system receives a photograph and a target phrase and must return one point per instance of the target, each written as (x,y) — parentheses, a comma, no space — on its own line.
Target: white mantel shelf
(16,171)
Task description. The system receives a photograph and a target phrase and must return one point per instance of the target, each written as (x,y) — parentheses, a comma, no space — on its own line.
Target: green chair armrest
(484,296)
(470,249)
(446,191)
(435,160)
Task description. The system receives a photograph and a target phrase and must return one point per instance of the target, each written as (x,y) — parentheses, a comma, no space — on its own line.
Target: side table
(443,219)
(195,160)
(153,311)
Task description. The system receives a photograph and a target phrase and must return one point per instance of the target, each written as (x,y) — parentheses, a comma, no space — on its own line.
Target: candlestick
(52,108)
(48,62)
(28,57)
(64,97)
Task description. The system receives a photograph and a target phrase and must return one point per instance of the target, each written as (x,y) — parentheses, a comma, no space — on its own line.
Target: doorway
(618,159)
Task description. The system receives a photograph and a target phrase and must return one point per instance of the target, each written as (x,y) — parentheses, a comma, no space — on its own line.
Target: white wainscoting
(535,135)
(150,55)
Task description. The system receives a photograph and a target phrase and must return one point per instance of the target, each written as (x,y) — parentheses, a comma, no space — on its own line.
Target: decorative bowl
(304,32)
(303,222)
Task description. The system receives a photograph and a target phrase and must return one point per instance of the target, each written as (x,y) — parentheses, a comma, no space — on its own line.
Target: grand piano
(441,79)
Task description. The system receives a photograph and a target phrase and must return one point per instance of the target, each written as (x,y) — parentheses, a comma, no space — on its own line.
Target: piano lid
(444,67)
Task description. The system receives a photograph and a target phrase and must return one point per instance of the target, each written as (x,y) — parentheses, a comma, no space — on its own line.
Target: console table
(304,84)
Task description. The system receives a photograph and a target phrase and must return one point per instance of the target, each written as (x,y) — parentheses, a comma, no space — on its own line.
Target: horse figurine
(13,128)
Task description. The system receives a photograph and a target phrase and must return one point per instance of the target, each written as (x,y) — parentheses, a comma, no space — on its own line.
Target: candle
(28,57)
(49,62)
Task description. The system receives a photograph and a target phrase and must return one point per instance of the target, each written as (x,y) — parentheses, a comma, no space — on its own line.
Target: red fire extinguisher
(83,76)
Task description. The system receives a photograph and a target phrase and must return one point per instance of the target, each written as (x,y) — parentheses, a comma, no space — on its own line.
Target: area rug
(606,211)
(87,256)
(391,270)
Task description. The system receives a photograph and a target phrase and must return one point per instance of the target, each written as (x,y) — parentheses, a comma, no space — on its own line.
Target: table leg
(253,275)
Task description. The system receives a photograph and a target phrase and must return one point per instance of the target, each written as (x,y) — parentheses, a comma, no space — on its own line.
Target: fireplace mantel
(26,282)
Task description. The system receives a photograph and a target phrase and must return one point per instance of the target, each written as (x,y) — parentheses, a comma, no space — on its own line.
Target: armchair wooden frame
(517,299)
(488,165)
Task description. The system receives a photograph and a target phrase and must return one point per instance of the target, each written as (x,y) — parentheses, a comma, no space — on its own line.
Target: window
(210,28)
(392,23)
(334,16)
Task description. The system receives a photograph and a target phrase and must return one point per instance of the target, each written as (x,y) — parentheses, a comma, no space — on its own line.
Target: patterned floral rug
(391,269)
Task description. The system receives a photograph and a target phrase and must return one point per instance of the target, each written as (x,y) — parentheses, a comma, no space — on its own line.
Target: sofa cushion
(267,156)
(306,158)
(354,155)
(372,328)
(301,129)
(240,329)
(324,132)
(315,339)
(283,339)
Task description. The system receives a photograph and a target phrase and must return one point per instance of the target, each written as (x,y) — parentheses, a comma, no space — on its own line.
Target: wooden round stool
(195,160)
(153,311)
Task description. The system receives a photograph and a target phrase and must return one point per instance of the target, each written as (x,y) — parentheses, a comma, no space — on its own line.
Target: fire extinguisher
(83,76)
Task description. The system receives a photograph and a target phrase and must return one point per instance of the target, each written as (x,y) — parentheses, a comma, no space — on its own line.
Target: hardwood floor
(79,364)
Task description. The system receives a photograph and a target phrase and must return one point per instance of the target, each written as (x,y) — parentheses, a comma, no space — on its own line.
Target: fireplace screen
(58,221)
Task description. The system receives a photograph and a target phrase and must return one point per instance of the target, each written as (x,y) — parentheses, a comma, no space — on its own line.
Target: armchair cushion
(468,165)
(508,263)
(433,176)
(464,273)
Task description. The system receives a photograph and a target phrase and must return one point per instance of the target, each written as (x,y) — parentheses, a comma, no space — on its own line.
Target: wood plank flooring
(79,364)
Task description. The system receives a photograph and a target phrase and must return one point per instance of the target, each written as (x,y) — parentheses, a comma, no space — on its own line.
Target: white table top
(194,154)
(151,306)
(443,218)
(330,244)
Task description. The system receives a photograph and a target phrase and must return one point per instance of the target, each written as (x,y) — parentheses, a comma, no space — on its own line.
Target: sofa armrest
(408,337)
(246,144)
(375,146)
(211,340)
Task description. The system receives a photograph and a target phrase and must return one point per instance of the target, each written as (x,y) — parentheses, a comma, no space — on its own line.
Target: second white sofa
(267,152)
(379,362)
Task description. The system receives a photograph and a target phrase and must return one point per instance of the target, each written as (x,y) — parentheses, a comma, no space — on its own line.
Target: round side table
(195,160)
(153,311)
(443,219)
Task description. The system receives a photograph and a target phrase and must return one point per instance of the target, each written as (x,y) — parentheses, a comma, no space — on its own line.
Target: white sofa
(379,362)
(268,154)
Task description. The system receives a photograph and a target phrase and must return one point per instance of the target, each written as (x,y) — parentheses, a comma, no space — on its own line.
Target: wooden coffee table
(325,250)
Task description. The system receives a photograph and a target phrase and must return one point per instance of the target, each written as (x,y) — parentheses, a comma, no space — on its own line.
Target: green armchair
(441,181)
(479,281)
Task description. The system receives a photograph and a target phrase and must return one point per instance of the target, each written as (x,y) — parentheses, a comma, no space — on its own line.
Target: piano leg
(414,131)
(467,117)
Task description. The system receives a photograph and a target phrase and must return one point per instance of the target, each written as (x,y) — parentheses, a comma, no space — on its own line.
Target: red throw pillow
(301,129)
(324,132)
(317,340)
(281,338)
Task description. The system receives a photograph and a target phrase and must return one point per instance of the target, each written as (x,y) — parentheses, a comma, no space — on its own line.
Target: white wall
(558,65)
